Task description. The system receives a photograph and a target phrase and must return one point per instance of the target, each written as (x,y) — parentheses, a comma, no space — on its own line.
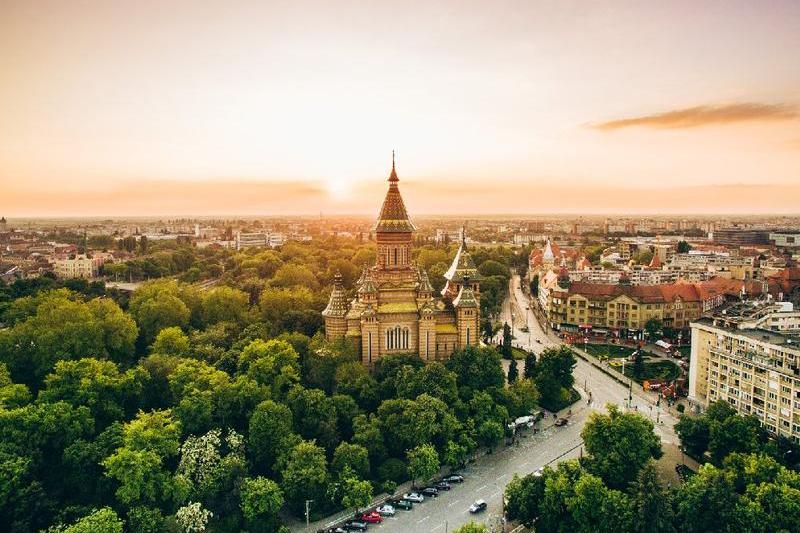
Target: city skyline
(201,109)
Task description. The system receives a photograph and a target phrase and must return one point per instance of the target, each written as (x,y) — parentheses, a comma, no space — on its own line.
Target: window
(467,336)
(395,255)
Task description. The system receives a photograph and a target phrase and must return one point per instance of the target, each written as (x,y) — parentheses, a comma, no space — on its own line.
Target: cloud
(693,117)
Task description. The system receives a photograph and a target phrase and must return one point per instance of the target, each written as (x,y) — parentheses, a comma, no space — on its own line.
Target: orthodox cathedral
(394,309)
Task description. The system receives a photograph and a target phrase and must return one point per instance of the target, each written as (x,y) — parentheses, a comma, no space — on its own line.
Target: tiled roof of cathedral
(466,297)
(367,286)
(463,265)
(424,281)
(337,305)
(393,217)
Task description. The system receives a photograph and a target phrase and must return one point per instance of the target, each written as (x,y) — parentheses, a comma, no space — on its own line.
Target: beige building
(79,266)
(748,355)
(394,309)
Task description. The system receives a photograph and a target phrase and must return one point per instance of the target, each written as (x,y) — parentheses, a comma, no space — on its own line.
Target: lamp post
(308,502)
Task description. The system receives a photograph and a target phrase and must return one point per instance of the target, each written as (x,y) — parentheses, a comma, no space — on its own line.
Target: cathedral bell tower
(393,229)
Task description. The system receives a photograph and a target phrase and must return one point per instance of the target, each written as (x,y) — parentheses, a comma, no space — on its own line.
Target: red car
(372,518)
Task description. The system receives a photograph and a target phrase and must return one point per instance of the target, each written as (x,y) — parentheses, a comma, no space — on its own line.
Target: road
(487,478)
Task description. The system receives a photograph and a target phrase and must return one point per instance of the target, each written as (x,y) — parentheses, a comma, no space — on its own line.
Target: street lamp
(307,506)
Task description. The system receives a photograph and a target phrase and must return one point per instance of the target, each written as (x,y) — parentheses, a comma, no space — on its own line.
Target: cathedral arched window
(467,336)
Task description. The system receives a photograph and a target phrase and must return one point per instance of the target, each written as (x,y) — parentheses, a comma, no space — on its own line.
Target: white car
(538,472)
(414,497)
(477,507)
(385,510)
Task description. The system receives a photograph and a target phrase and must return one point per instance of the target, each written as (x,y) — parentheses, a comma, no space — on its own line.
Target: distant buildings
(741,236)
(785,239)
(258,240)
(748,356)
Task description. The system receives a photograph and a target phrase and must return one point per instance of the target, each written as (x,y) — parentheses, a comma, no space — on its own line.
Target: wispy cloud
(693,117)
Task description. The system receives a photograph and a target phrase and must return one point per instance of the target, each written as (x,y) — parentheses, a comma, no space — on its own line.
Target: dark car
(430,491)
(443,485)
(561,422)
(453,478)
(356,526)
(401,504)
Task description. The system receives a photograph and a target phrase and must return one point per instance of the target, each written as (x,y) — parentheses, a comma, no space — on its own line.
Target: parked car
(561,422)
(443,485)
(385,510)
(355,525)
(372,518)
(414,497)
(405,505)
(477,507)
(538,472)
(430,491)
(453,478)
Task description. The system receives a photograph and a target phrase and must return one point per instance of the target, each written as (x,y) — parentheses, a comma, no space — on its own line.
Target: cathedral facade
(394,309)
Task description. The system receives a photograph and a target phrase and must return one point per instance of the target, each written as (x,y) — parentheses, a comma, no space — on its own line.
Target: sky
(120,108)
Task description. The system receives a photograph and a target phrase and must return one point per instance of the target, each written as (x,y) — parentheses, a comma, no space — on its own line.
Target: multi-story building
(741,236)
(624,308)
(79,266)
(785,239)
(395,310)
(748,355)
(251,240)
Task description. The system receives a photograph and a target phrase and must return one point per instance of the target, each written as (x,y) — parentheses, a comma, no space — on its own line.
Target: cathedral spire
(393,216)
(393,176)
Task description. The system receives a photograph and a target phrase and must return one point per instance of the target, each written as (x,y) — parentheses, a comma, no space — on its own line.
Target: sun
(338,188)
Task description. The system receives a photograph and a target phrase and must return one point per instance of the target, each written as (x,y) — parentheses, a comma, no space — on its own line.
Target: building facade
(395,309)
(748,355)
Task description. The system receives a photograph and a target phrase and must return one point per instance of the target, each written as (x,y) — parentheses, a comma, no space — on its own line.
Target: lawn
(660,370)
(518,353)
(608,351)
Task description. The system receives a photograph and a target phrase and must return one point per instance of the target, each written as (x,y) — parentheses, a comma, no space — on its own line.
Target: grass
(608,351)
(518,353)
(660,370)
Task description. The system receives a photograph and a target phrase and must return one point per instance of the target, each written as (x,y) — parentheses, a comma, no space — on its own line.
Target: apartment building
(747,354)
(626,308)
(80,266)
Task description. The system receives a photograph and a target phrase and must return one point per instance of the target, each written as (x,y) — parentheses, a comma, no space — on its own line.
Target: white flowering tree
(206,460)
(193,518)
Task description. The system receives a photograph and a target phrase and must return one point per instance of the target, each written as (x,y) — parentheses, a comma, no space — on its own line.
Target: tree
(270,425)
(695,435)
(524,496)
(619,444)
(535,286)
(707,502)
(305,475)
(594,507)
(432,379)
(553,375)
(734,434)
(651,502)
(507,349)
(529,370)
(471,527)
(193,518)
(356,493)
(513,372)
(476,368)
(98,385)
(171,341)
(261,500)
(104,519)
(225,304)
(683,247)
(314,416)
(352,459)
(653,328)
(638,364)
(522,398)
(490,432)
(454,455)
(423,462)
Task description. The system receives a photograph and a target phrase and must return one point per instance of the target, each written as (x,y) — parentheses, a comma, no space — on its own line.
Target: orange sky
(128,108)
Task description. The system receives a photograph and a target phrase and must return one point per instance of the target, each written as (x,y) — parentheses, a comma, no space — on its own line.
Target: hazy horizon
(120,109)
